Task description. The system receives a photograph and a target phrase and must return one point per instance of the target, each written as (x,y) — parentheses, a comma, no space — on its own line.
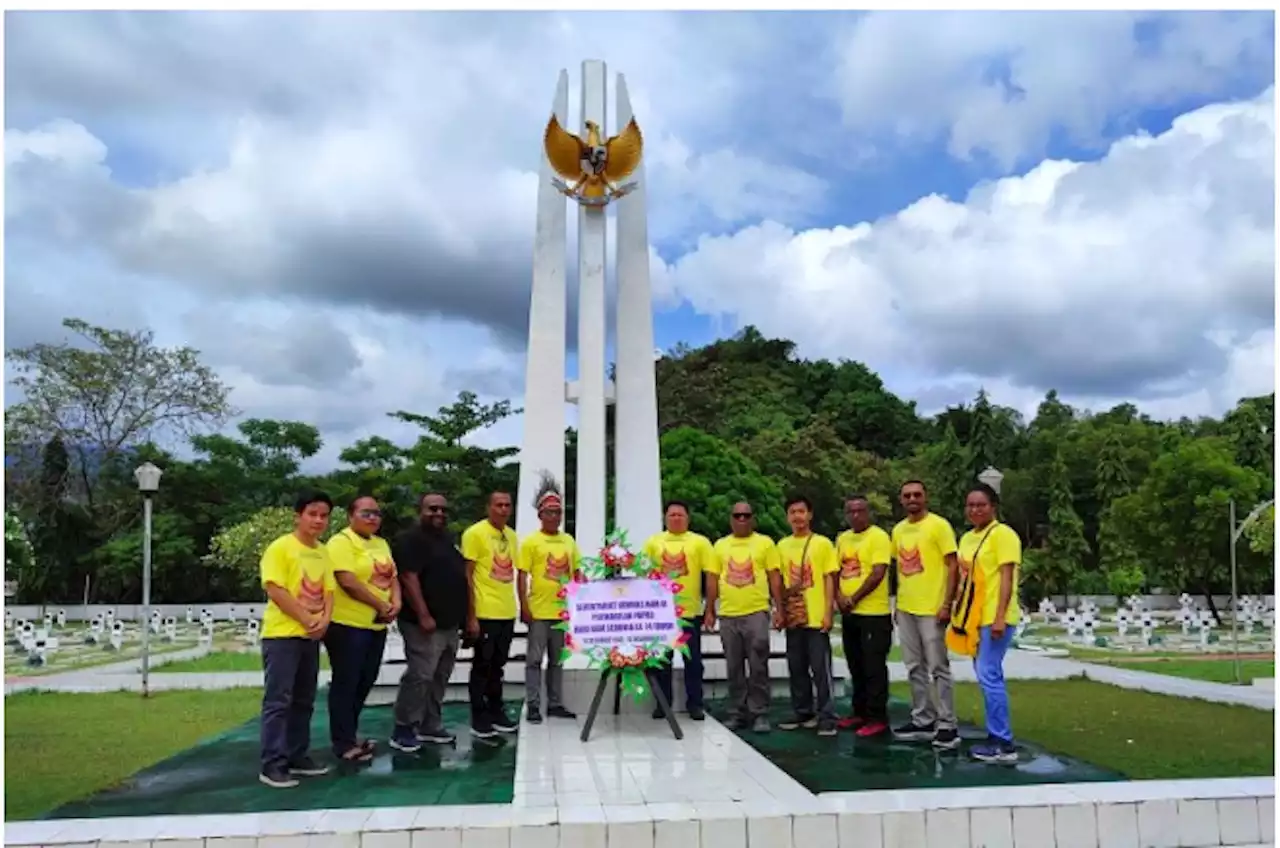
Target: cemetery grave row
(1253,618)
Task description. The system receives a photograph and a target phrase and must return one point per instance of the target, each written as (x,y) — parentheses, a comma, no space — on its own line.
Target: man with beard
(433,582)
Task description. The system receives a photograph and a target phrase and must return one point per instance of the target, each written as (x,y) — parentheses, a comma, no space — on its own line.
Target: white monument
(592,167)
(62,619)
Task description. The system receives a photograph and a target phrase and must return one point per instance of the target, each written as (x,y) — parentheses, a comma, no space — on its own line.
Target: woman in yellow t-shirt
(366,600)
(990,554)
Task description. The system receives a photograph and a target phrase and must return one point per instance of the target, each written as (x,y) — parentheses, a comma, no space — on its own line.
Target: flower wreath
(616,561)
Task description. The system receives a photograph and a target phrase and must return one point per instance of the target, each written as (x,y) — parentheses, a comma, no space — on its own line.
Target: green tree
(947,467)
(237,550)
(711,475)
(1177,518)
(1262,532)
(1067,548)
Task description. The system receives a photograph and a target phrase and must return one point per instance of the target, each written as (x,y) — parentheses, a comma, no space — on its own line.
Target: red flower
(677,587)
(682,638)
(679,611)
(562,594)
(564,615)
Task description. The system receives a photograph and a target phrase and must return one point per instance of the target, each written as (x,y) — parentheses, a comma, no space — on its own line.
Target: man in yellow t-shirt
(809,571)
(685,556)
(866,625)
(994,551)
(924,546)
(298,579)
(491,549)
(367,597)
(547,555)
(744,575)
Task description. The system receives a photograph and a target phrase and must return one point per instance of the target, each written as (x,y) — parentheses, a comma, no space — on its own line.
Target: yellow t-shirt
(1002,546)
(494,552)
(818,563)
(859,554)
(301,571)
(370,561)
(921,548)
(545,559)
(742,567)
(684,557)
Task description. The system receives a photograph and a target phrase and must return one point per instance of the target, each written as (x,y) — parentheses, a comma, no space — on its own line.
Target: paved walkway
(1019,665)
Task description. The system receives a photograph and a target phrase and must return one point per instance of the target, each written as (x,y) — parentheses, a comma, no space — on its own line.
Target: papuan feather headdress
(548,493)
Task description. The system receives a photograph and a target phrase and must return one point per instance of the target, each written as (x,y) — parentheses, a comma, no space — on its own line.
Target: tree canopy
(1104,501)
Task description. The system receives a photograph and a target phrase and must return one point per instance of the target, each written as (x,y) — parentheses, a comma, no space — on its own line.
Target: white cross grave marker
(1148,625)
(62,619)
(171,629)
(117,635)
(254,638)
(1122,622)
(1071,622)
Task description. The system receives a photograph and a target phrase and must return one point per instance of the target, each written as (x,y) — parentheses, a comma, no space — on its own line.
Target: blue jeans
(988,665)
(692,667)
(355,654)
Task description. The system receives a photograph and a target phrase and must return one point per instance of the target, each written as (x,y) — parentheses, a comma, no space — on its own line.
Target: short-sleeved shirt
(741,565)
(818,562)
(683,556)
(442,573)
(921,548)
(1001,547)
(302,571)
(494,552)
(371,562)
(859,554)
(546,559)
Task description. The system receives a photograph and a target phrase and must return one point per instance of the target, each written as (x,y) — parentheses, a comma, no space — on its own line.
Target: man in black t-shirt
(433,580)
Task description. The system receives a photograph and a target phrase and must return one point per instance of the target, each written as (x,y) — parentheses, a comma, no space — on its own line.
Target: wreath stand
(650,676)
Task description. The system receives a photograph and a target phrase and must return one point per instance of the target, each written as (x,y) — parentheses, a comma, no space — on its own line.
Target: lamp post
(1236,533)
(148,477)
(992,477)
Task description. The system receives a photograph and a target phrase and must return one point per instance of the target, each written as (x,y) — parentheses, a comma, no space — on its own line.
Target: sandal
(357,754)
(369,745)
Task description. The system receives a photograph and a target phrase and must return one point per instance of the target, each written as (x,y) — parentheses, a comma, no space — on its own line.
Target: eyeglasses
(742,516)
(369,513)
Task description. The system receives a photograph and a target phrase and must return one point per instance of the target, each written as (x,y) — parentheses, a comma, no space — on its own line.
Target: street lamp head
(992,478)
(148,477)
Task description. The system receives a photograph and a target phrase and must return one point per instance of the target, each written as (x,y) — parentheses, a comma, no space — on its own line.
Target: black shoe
(658,714)
(827,727)
(697,714)
(404,738)
(533,716)
(946,739)
(307,767)
(502,722)
(915,732)
(797,722)
(277,778)
(482,728)
(994,752)
(438,736)
(560,712)
(735,722)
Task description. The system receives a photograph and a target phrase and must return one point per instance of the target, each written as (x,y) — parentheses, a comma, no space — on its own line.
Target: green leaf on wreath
(565,653)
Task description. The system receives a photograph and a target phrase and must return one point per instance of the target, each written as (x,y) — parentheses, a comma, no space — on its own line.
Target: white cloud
(1140,274)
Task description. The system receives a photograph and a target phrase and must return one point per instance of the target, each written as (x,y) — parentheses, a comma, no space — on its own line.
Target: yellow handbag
(965,630)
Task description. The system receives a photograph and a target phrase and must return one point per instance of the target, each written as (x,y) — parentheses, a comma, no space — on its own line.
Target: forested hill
(1109,501)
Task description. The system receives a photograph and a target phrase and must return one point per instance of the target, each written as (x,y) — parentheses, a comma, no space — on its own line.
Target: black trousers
(867,639)
(290,667)
(492,651)
(355,653)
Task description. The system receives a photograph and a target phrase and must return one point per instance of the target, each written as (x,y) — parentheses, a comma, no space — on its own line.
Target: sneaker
(849,723)
(797,722)
(946,739)
(760,725)
(502,722)
(874,728)
(438,736)
(994,752)
(697,714)
(915,732)
(307,767)
(482,728)
(561,712)
(827,727)
(404,738)
(533,715)
(277,778)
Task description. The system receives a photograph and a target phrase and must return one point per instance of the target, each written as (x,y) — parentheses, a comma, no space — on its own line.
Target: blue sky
(1019,201)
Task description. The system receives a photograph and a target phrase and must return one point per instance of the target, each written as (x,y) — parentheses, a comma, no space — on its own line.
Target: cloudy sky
(337,209)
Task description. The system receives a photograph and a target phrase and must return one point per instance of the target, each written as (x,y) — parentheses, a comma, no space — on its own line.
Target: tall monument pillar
(591,166)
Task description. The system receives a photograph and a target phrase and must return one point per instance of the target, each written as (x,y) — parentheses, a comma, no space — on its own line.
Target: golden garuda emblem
(593,169)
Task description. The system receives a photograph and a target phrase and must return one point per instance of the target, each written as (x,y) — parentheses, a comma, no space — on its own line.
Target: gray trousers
(924,653)
(745,639)
(809,670)
(543,639)
(429,659)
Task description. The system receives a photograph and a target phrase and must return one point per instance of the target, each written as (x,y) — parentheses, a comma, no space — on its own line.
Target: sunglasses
(437,510)
(369,513)
(742,515)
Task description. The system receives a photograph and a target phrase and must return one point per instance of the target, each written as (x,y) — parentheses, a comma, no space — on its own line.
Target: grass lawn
(1131,731)
(61,746)
(1214,671)
(224,661)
